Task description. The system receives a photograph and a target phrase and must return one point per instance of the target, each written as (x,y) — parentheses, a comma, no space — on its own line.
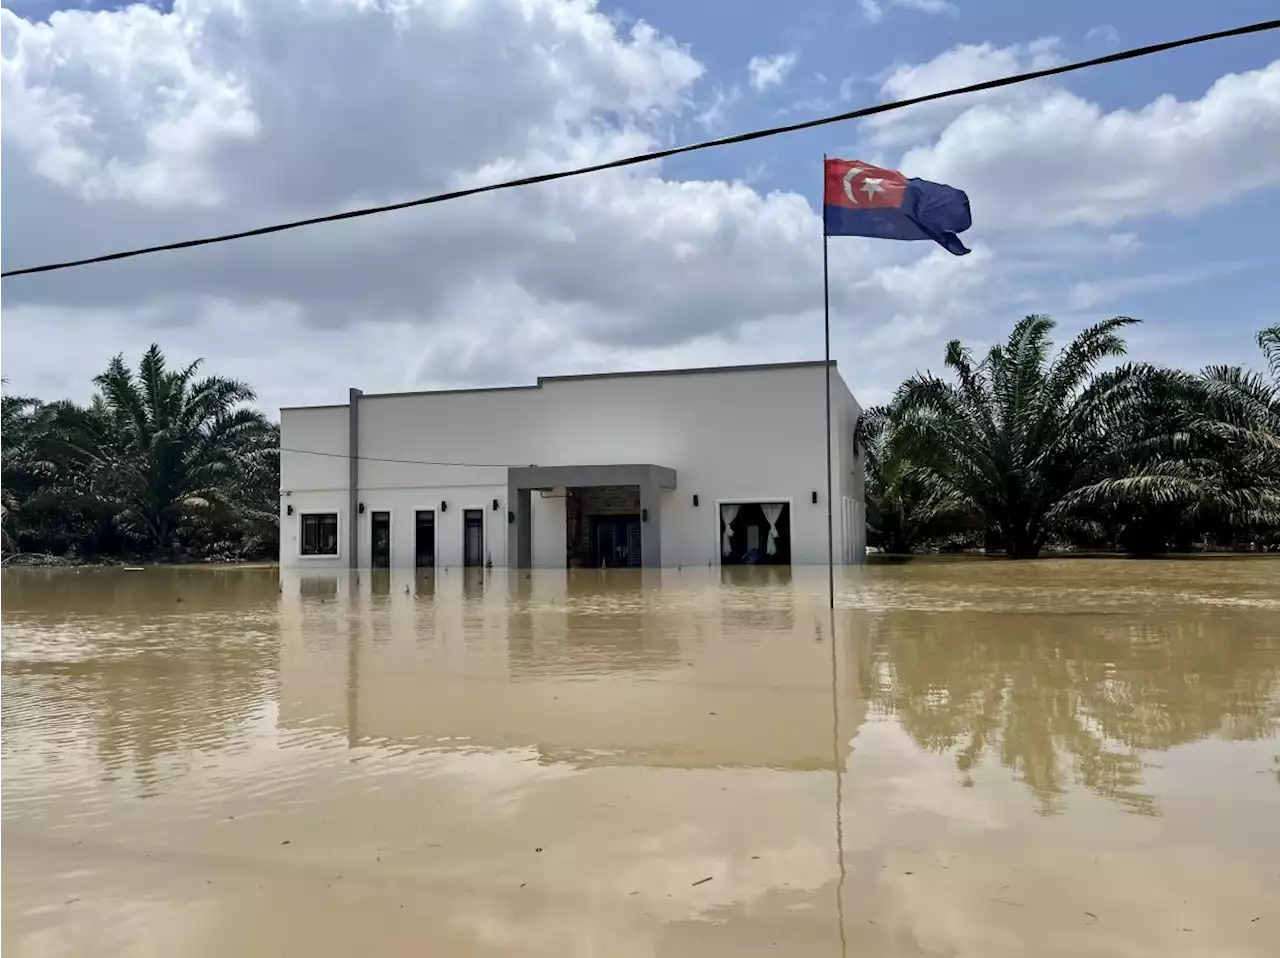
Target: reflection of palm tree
(158,682)
(1081,689)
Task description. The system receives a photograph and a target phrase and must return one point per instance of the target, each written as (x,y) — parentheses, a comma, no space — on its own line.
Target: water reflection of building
(652,667)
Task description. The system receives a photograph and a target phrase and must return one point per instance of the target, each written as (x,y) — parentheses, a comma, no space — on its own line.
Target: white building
(721,465)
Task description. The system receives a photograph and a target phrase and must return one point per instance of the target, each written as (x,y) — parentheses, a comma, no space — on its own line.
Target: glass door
(380,527)
(473,537)
(424,538)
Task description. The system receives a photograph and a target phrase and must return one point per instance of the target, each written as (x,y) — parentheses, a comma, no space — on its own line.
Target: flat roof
(543,380)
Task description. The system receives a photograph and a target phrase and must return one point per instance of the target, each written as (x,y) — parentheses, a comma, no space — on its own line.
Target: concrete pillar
(650,525)
(353,478)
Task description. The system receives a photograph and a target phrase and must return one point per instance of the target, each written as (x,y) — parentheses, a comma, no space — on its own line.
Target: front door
(380,525)
(473,537)
(615,541)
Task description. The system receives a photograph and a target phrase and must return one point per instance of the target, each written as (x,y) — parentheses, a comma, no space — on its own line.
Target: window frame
(391,537)
(746,500)
(320,556)
(435,524)
(484,536)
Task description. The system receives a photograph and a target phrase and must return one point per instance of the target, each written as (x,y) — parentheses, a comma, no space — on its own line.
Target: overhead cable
(1119,56)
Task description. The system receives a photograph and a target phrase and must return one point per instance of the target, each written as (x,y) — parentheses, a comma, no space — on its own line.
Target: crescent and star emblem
(871,185)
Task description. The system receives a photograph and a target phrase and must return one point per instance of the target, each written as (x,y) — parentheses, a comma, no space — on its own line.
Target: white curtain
(772,510)
(728,512)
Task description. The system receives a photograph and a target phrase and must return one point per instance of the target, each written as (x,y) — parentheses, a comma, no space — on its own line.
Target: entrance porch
(613,513)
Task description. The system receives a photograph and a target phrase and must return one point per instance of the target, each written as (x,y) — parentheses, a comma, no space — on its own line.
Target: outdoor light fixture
(644,515)
(815,498)
(511,517)
(362,508)
(695,500)
(288,510)
(444,506)
(495,505)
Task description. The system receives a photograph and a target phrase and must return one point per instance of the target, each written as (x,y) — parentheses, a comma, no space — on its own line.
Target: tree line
(161,464)
(1024,450)
(1016,452)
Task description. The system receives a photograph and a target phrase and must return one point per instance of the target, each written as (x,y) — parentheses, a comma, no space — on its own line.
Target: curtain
(728,512)
(772,511)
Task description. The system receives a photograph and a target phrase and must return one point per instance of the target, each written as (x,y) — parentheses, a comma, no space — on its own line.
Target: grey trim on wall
(353,478)
(625,374)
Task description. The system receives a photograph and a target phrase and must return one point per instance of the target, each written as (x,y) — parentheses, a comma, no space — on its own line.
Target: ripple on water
(561,761)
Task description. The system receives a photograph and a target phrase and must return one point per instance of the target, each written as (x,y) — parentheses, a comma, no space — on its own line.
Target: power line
(407,462)
(1131,54)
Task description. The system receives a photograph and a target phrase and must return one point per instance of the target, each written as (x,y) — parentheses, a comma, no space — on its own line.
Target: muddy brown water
(991,759)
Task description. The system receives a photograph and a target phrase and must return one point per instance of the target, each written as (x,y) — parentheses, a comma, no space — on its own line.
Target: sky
(1149,188)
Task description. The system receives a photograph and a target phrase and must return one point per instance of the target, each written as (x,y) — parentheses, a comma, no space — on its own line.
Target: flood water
(1068,757)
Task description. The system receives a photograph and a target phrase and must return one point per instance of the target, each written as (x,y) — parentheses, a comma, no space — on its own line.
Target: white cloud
(714,114)
(1105,34)
(765,72)
(1088,294)
(874,10)
(960,66)
(1121,243)
(133,127)
(927,6)
(1052,158)
(967,64)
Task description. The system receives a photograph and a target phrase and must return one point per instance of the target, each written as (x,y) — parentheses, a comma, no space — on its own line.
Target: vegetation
(1016,452)
(160,464)
(1024,450)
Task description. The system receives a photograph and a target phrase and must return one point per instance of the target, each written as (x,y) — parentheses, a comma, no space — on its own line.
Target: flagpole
(826,337)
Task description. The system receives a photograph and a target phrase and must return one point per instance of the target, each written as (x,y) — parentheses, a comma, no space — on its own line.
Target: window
(755,533)
(319,534)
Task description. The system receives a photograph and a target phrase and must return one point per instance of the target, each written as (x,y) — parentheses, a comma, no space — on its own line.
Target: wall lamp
(695,500)
(288,510)
(644,515)
(495,505)
(362,508)
(444,506)
(815,498)
(511,517)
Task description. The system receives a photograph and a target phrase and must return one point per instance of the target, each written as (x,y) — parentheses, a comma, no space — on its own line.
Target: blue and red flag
(865,200)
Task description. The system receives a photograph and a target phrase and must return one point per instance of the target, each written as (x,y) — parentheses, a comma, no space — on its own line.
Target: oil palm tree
(902,511)
(16,459)
(175,443)
(1209,463)
(1236,413)
(1014,436)
(249,527)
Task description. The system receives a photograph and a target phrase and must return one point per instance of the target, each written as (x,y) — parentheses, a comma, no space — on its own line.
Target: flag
(865,200)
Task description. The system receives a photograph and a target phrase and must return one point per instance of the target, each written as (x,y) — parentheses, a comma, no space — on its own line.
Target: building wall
(313,483)
(753,434)
(848,476)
